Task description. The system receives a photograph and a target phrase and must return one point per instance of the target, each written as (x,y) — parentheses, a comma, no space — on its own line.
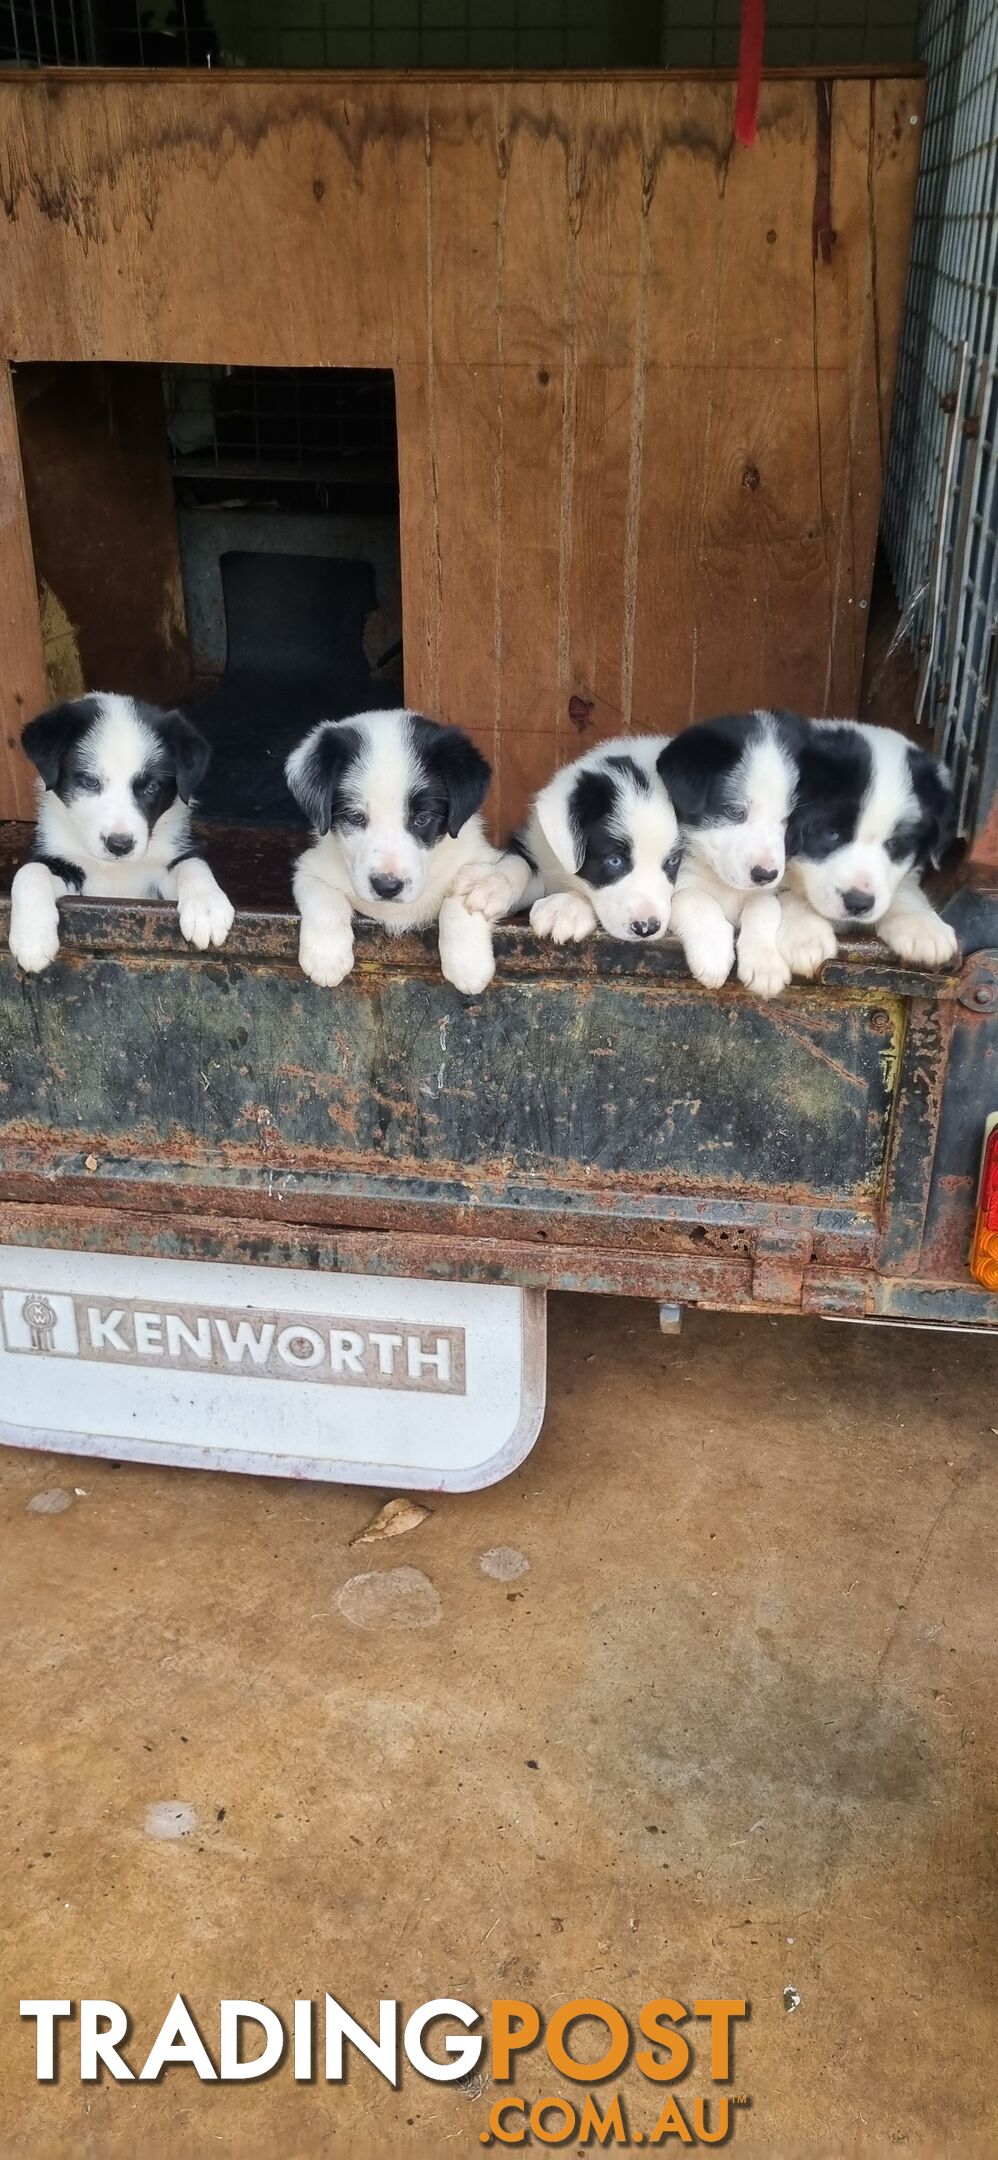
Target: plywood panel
(103,524)
(641,419)
(538,178)
(611,291)
(23,683)
(853,425)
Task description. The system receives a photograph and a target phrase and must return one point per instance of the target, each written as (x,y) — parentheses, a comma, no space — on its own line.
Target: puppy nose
(647,926)
(856,902)
(763,877)
(118,843)
(387,888)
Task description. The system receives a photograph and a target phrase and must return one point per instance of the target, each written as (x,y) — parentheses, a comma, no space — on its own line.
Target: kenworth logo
(210,1339)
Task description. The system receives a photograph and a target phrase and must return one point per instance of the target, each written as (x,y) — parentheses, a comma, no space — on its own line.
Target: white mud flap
(364,1379)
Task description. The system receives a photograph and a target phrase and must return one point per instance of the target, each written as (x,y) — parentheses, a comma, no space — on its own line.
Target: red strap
(750,45)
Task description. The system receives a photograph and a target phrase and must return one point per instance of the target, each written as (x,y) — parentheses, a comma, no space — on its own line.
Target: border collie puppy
(733,781)
(601,848)
(393,801)
(117,780)
(873,812)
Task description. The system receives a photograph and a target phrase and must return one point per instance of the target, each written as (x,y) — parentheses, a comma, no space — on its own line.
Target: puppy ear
(190,752)
(796,832)
(315,771)
(463,773)
(690,767)
(47,738)
(553,810)
(934,789)
(807,822)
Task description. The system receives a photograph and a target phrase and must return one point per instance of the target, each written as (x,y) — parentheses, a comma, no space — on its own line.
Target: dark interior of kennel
(223,539)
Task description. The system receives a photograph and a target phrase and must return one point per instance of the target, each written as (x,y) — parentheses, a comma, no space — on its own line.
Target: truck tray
(593,1121)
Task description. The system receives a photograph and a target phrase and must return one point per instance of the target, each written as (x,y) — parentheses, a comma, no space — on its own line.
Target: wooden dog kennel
(643,385)
(643,377)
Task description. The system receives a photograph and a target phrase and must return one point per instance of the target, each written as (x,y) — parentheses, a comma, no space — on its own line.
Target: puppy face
(609,821)
(871,808)
(733,782)
(392,787)
(117,766)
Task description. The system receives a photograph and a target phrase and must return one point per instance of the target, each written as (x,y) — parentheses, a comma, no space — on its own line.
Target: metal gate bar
(941,501)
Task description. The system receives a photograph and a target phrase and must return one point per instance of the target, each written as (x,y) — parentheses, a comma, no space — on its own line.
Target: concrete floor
(734,1732)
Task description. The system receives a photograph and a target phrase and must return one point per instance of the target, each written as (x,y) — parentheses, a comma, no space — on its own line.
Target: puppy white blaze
(387,771)
(754,852)
(748,849)
(890,797)
(379,785)
(115,750)
(650,825)
(770,781)
(119,744)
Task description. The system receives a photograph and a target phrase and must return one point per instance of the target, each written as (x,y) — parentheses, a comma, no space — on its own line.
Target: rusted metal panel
(701,1226)
(257,867)
(614,1270)
(593,1122)
(839,1297)
(242,1074)
(941,1304)
(916,1120)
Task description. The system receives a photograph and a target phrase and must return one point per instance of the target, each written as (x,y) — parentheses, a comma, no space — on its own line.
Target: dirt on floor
(700,1704)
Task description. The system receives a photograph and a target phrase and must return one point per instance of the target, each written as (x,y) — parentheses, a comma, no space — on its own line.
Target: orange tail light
(984,1250)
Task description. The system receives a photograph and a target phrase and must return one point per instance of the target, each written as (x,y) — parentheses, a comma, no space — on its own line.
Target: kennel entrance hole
(222,538)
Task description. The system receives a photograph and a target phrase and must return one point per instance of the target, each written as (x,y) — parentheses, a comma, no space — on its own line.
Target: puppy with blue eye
(734,784)
(600,850)
(117,780)
(393,800)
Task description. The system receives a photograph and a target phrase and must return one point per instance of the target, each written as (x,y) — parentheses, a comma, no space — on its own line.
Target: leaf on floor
(392,1520)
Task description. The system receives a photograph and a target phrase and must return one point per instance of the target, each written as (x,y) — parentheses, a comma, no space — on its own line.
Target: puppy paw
(710,959)
(466,956)
(326,957)
(34,938)
(484,892)
(924,940)
(206,918)
(807,950)
(764,971)
(471,970)
(565,917)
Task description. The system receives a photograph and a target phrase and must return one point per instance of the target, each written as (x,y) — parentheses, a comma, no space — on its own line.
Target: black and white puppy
(393,800)
(733,781)
(600,849)
(117,780)
(872,813)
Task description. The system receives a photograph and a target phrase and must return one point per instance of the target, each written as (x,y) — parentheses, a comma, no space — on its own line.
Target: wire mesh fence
(331,425)
(941,504)
(46,33)
(441,34)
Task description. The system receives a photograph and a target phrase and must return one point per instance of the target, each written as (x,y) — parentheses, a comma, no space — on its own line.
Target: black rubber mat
(295,632)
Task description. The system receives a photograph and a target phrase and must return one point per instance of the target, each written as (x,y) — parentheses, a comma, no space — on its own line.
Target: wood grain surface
(642,419)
